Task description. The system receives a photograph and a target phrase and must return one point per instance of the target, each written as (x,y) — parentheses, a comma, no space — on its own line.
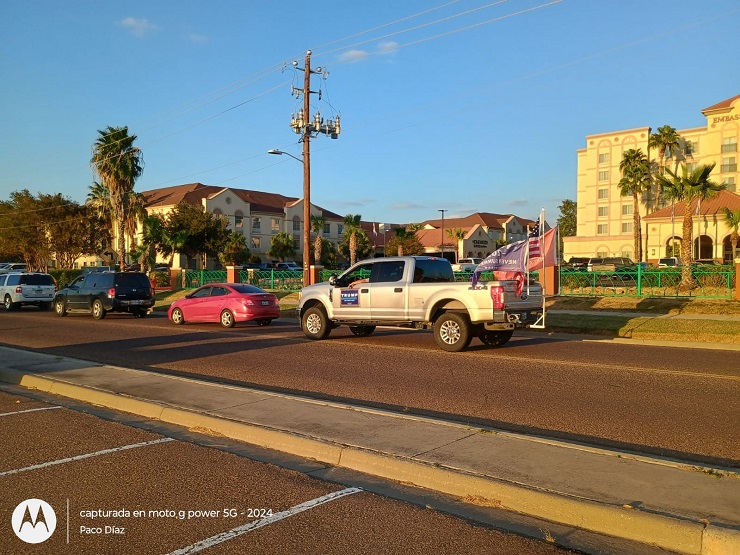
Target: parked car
(577,263)
(93,269)
(19,289)
(288,267)
(669,262)
(227,303)
(466,264)
(13,267)
(102,292)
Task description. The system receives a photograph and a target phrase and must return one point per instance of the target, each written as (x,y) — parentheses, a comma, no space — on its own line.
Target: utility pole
(307,128)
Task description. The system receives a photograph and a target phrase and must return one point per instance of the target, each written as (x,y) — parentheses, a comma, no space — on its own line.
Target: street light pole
(442,245)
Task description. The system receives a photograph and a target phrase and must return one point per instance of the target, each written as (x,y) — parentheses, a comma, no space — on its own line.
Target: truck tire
(98,311)
(452,332)
(315,324)
(495,338)
(362,331)
(60,307)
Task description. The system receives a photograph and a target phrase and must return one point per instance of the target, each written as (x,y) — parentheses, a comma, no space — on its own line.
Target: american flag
(534,240)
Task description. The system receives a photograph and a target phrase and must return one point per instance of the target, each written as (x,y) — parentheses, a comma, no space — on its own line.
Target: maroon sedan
(227,303)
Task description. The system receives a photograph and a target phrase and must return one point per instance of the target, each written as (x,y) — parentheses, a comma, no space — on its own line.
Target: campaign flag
(509,258)
(546,256)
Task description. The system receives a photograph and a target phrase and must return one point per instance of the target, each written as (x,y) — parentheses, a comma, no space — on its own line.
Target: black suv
(103,292)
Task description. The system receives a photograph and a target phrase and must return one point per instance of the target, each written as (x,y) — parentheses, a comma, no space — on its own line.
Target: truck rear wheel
(315,324)
(495,338)
(452,332)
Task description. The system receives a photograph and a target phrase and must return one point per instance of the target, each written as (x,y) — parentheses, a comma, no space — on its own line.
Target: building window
(603,211)
(627,254)
(627,210)
(217,212)
(729,182)
(604,159)
(296,224)
(604,175)
(238,219)
(297,241)
(729,164)
(603,194)
(602,229)
(256,224)
(692,166)
(729,144)
(627,227)
(256,243)
(275,225)
(340,229)
(691,147)
(602,254)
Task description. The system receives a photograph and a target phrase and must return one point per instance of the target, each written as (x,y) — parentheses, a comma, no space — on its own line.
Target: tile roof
(721,105)
(194,193)
(711,206)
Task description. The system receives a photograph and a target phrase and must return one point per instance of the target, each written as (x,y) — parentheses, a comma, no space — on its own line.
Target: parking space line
(255,524)
(85,456)
(28,410)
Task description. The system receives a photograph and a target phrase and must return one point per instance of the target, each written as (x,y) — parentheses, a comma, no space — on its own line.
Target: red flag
(547,247)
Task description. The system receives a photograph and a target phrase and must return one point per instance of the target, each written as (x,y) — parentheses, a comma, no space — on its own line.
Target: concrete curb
(666,532)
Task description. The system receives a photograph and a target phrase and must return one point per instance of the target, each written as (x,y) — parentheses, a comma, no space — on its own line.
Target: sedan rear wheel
(227,319)
(264,321)
(177,317)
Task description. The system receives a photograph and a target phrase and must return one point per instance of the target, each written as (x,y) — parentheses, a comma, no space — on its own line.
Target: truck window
(388,271)
(433,271)
(357,273)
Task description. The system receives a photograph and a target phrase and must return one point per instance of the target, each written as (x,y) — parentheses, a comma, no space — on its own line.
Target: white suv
(18,289)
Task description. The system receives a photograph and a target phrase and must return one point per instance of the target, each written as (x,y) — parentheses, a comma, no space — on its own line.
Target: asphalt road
(118,489)
(666,400)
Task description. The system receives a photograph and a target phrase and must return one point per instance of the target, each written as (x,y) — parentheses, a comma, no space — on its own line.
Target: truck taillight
(497,294)
(112,292)
(19,289)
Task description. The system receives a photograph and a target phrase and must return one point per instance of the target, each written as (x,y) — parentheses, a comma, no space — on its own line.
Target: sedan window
(219,292)
(202,293)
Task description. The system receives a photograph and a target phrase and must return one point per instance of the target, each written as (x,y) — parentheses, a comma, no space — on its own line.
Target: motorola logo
(34,521)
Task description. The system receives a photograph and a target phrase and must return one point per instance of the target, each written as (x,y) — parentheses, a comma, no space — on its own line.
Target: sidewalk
(624,314)
(672,505)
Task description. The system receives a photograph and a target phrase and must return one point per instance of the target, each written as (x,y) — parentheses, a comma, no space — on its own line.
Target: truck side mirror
(333,280)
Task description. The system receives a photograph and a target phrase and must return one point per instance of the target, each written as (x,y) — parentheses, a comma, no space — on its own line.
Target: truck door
(388,291)
(351,294)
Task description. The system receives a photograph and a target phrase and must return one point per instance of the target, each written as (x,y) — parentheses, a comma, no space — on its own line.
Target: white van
(466,264)
(669,262)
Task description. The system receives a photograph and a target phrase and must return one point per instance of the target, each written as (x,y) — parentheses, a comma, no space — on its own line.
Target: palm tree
(458,234)
(135,213)
(402,234)
(666,140)
(317,226)
(686,188)
(119,164)
(352,228)
(635,170)
(732,221)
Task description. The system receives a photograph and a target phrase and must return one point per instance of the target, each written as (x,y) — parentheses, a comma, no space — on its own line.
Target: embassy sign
(723,119)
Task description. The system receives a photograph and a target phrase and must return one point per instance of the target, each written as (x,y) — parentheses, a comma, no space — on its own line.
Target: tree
(686,188)
(317,226)
(635,169)
(195,231)
(568,220)
(67,228)
(732,221)
(24,235)
(152,241)
(404,242)
(135,213)
(457,234)
(282,246)
(119,164)
(666,139)
(362,246)
(235,250)
(351,230)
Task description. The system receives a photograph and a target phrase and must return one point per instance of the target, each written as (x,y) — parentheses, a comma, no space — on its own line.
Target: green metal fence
(713,282)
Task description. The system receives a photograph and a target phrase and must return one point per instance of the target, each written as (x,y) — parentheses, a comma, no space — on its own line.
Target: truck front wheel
(452,332)
(315,324)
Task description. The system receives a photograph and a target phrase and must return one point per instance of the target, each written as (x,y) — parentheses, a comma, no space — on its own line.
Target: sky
(464,106)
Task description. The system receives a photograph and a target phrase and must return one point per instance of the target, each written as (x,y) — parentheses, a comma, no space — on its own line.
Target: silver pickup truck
(418,292)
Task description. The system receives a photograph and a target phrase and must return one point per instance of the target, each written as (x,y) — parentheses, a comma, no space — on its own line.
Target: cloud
(387,47)
(519,202)
(197,39)
(406,206)
(353,56)
(138,27)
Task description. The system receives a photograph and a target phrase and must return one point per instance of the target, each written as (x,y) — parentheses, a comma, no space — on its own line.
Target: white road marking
(28,410)
(255,524)
(85,456)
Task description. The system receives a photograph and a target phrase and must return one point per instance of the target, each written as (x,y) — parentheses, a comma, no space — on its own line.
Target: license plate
(136,302)
(265,303)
